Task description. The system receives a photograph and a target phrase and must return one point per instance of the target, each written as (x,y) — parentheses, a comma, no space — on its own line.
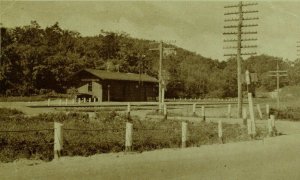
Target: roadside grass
(288,113)
(86,136)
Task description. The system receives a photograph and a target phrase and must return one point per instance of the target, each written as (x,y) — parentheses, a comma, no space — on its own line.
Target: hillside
(38,61)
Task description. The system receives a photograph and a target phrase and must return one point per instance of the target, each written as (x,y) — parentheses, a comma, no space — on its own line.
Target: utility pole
(239,40)
(278,73)
(161,49)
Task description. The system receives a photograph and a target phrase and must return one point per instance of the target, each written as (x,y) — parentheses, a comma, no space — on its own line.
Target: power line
(239,33)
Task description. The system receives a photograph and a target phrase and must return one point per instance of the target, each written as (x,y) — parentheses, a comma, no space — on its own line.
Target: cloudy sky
(194,25)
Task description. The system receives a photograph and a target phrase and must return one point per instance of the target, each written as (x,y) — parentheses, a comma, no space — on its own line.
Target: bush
(289,113)
(85,137)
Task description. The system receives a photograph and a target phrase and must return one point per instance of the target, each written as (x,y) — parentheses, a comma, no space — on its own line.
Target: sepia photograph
(204,90)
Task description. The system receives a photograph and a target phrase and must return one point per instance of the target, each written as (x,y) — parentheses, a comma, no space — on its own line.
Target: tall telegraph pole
(278,73)
(239,33)
(161,49)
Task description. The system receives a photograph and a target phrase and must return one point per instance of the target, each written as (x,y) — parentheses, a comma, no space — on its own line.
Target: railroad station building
(114,86)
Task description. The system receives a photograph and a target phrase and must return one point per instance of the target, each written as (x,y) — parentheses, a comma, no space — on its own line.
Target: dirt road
(273,158)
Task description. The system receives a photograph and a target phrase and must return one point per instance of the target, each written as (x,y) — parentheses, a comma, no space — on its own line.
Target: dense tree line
(36,61)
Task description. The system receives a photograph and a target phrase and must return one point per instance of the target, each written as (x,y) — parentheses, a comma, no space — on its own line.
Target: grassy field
(32,137)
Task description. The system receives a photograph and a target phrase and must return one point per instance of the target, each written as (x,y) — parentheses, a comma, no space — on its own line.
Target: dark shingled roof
(107,75)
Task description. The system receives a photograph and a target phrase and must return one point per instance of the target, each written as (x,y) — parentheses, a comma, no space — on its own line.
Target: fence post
(203,113)
(268,111)
(229,111)
(272,117)
(66,101)
(220,131)
(165,112)
(58,140)
(194,109)
(259,111)
(84,100)
(270,129)
(48,102)
(128,137)
(244,116)
(79,100)
(253,130)
(73,101)
(94,100)
(128,111)
(183,134)
(60,102)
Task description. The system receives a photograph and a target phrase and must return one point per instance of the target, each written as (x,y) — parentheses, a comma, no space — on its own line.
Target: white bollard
(84,100)
(79,100)
(183,134)
(194,109)
(66,102)
(268,111)
(48,102)
(128,137)
(270,128)
(251,111)
(220,131)
(94,100)
(60,102)
(272,117)
(229,111)
(128,110)
(58,140)
(165,112)
(259,111)
(203,113)
(245,116)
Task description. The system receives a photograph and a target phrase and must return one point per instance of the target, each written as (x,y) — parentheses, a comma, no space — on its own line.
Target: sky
(197,26)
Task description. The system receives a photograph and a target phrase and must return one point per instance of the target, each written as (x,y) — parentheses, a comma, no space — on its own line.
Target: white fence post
(259,111)
(183,134)
(79,100)
(194,109)
(128,137)
(251,110)
(165,112)
(220,131)
(58,140)
(66,101)
(244,116)
(273,121)
(128,110)
(229,111)
(49,102)
(84,100)
(203,113)
(268,111)
(60,102)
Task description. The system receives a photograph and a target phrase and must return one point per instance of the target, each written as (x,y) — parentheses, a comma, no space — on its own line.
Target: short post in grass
(270,128)
(128,137)
(194,109)
(268,111)
(66,101)
(84,100)
(203,113)
(128,111)
(58,140)
(79,100)
(73,101)
(165,112)
(229,111)
(49,102)
(251,111)
(244,116)
(95,100)
(183,134)
(259,111)
(220,131)
(272,117)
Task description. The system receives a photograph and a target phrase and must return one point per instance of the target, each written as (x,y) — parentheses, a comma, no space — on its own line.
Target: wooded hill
(37,61)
